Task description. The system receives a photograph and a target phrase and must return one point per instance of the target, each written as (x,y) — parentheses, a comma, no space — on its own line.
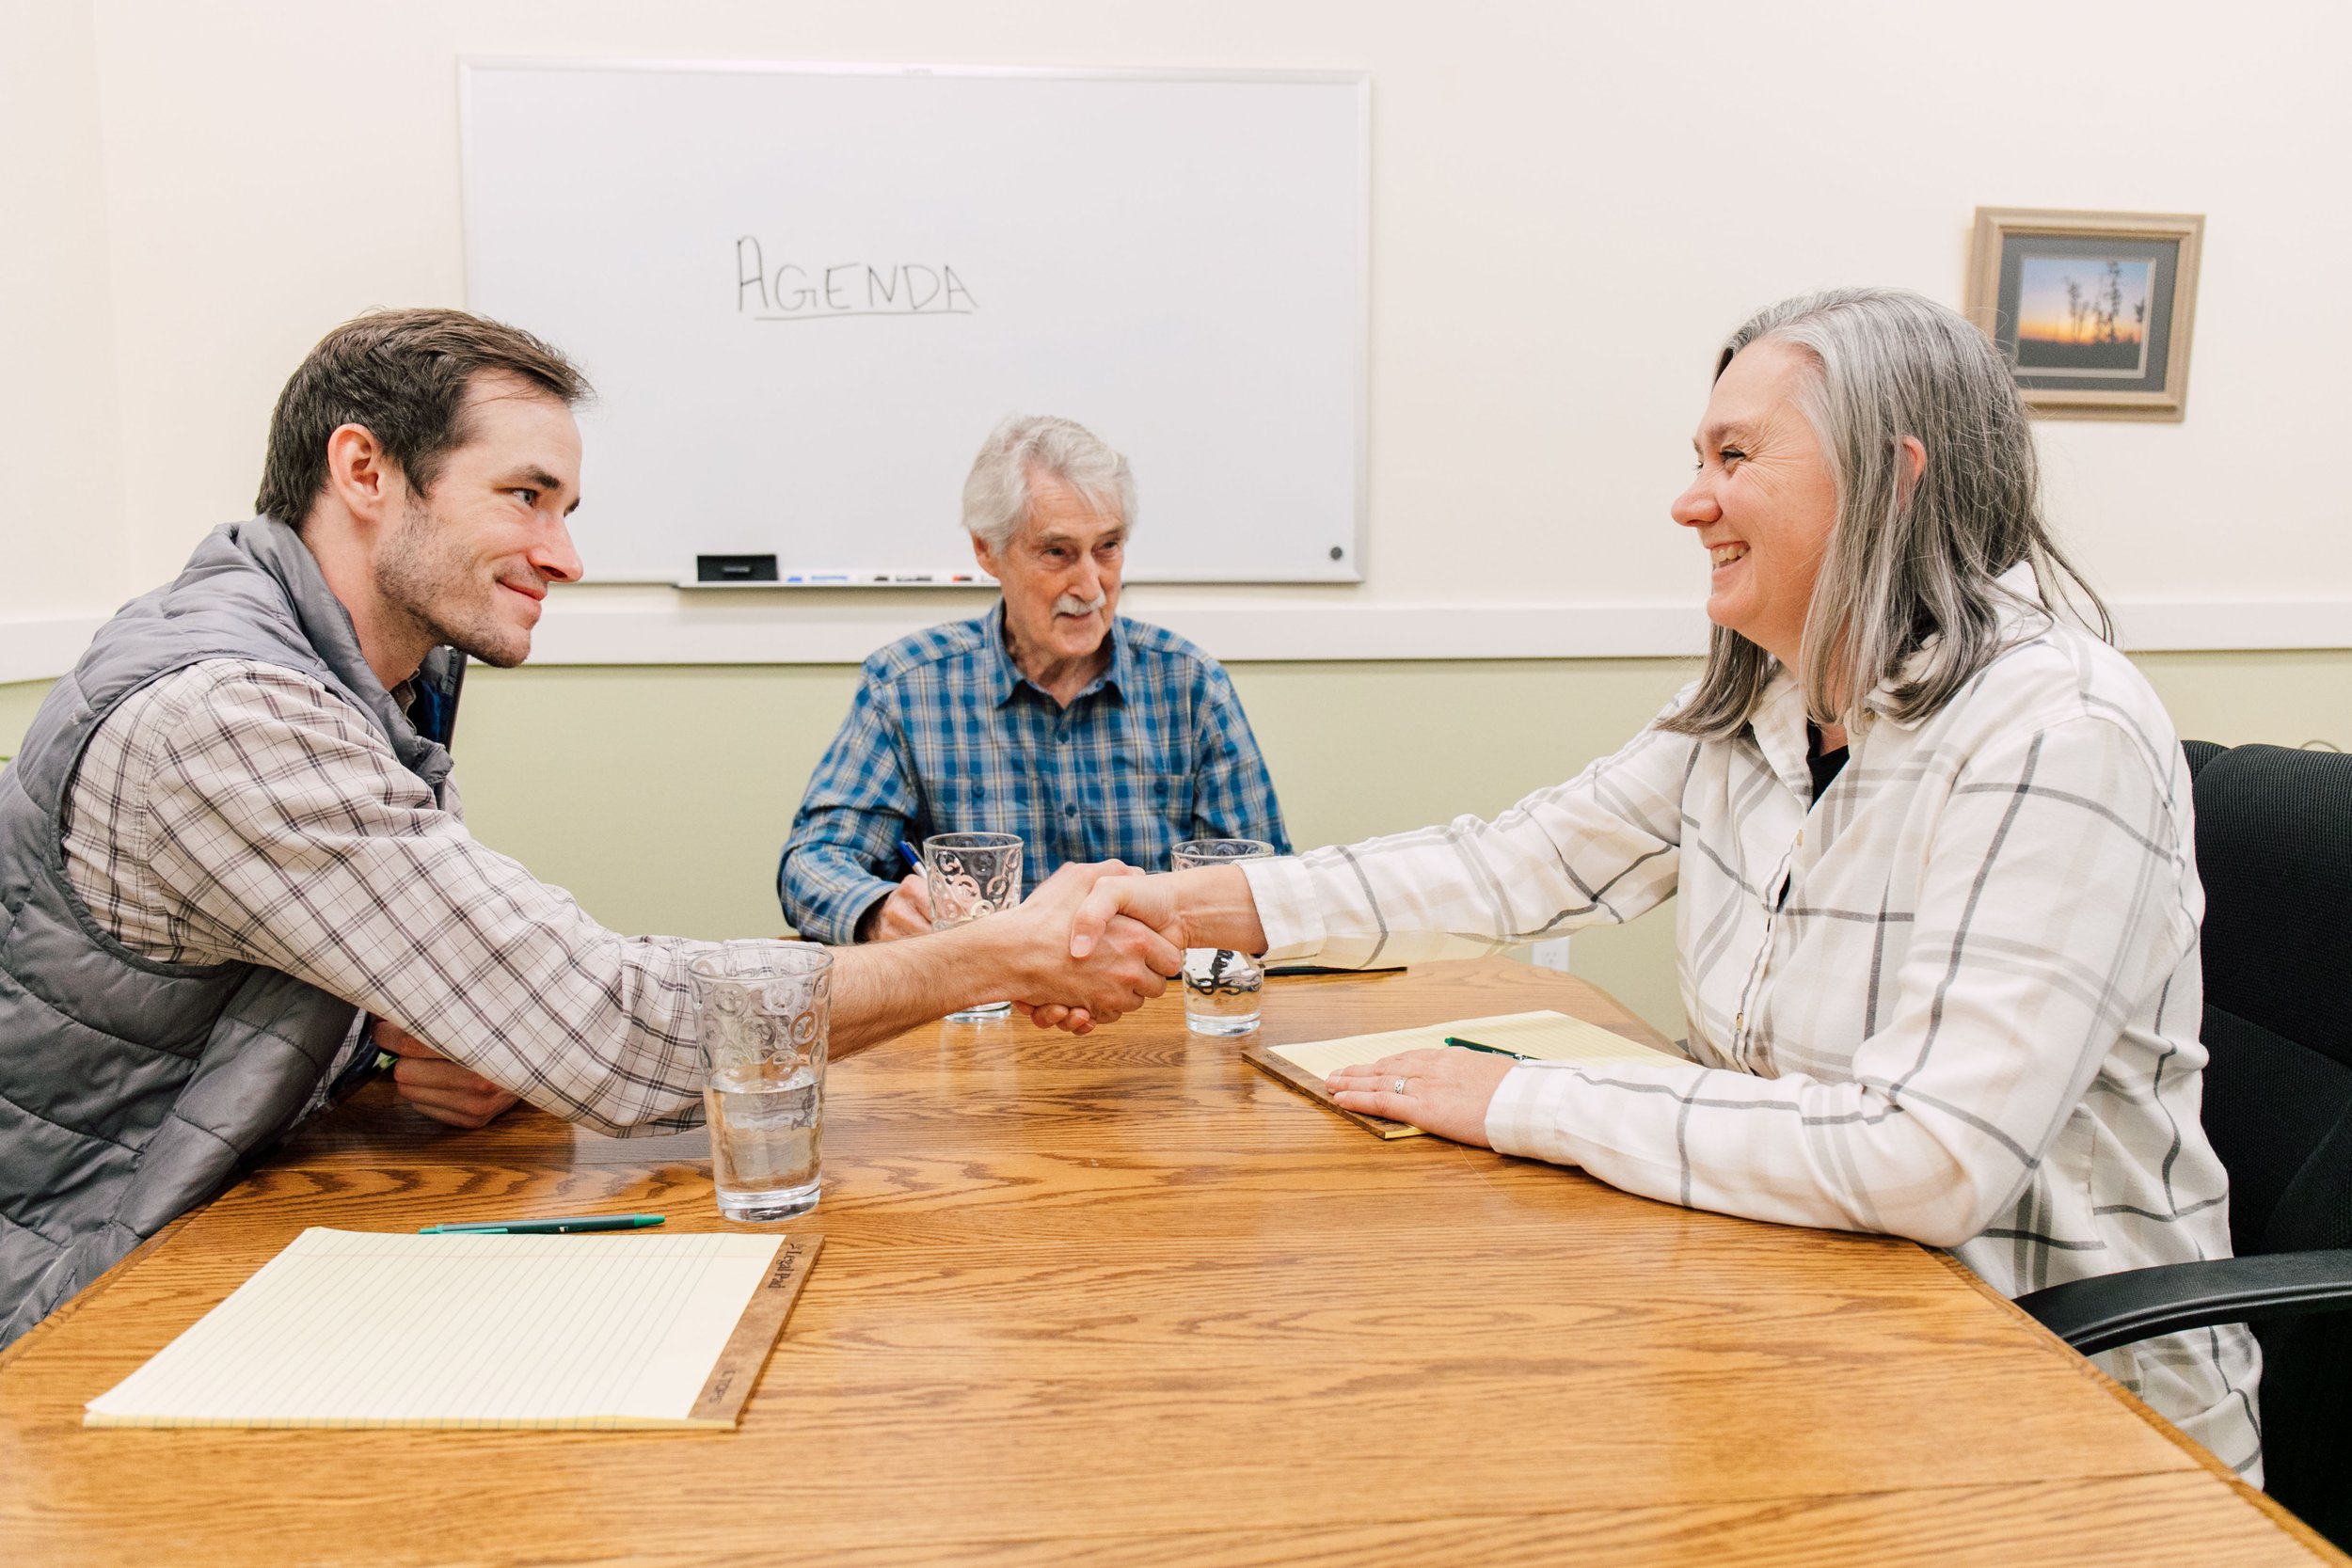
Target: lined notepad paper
(354,1329)
(1548,1036)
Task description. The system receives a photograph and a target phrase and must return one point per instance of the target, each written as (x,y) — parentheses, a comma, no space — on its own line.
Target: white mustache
(1070,604)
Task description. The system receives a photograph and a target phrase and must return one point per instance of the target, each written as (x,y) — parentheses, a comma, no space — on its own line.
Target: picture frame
(2093,310)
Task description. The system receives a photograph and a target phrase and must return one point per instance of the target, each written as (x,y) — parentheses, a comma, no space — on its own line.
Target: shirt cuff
(832,916)
(859,911)
(1288,908)
(1525,1118)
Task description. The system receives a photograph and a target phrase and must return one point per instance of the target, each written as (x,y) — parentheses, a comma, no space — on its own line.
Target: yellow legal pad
(1546,1036)
(360,1329)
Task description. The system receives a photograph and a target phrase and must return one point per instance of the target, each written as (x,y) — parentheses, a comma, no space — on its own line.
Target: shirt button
(1738,1021)
(1069,811)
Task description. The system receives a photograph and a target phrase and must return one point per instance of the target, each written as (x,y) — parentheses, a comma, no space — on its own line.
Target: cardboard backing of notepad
(736,1373)
(1260,1054)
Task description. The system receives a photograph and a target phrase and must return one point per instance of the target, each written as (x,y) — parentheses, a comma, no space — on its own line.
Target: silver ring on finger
(1399,1088)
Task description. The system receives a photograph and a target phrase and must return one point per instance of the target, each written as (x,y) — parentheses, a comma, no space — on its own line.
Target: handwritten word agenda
(794,293)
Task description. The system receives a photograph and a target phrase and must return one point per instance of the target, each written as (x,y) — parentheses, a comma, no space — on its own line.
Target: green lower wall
(660,794)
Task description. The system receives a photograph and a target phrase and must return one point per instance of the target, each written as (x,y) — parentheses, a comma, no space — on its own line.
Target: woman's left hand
(1445,1092)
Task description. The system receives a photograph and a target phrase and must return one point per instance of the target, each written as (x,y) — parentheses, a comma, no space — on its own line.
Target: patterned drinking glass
(763,1013)
(1221,987)
(969,877)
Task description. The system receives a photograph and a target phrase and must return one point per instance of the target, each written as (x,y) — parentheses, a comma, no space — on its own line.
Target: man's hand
(1126,965)
(1147,900)
(437,1086)
(907,913)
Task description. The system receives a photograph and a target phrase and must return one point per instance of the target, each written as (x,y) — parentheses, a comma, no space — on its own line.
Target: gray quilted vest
(132,1090)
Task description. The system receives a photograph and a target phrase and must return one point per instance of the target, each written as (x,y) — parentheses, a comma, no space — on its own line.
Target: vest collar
(327,625)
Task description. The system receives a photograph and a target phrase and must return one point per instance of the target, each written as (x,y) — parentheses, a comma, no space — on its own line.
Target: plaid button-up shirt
(945,734)
(235,810)
(1957,999)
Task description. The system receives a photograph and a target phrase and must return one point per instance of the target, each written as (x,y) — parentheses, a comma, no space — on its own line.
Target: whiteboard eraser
(735,568)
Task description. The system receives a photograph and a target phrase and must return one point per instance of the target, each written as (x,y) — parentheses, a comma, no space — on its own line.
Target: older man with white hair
(1092,736)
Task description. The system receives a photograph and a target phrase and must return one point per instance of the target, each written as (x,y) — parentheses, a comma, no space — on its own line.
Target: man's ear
(362,476)
(986,557)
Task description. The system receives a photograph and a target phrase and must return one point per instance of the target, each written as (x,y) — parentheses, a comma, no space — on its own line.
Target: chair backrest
(2274,847)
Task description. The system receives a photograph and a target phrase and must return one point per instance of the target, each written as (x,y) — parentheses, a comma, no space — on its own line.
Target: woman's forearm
(1216,909)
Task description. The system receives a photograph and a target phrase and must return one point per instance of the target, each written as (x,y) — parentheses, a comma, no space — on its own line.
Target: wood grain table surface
(1125,1299)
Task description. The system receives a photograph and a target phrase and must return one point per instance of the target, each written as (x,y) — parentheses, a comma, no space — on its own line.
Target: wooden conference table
(1126,1299)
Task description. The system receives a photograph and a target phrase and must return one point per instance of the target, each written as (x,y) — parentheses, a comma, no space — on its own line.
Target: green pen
(1489,1049)
(544,1228)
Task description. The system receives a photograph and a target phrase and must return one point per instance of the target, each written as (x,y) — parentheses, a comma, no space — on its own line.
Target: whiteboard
(806,292)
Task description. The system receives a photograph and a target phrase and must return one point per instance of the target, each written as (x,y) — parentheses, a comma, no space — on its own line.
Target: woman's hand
(1445,1092)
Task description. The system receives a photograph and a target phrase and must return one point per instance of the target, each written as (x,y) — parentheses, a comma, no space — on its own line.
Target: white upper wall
(61,529)
(1571,205)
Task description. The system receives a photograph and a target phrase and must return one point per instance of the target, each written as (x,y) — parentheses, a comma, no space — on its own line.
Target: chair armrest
(2115,1309)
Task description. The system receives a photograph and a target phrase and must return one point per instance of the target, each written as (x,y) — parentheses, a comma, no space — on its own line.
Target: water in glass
(763,1144)
(1221,990)
(763,1013)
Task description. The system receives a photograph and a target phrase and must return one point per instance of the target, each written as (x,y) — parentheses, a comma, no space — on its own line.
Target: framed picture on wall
(2092,308)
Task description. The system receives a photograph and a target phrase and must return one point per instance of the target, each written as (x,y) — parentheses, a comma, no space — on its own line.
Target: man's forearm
(1022,955)
(886,988)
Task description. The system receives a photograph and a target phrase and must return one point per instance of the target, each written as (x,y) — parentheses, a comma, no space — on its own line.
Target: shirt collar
(1778,724)
(1778,721)
(2014,622)
(1005,679)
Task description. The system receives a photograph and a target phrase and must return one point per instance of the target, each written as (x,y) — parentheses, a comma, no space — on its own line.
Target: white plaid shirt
(1957,1001)
(238,811)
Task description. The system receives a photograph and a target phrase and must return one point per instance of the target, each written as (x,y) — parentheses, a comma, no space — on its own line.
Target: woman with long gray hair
(1937,912)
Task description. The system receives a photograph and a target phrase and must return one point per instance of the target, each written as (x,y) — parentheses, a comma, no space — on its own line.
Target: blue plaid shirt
(947,735)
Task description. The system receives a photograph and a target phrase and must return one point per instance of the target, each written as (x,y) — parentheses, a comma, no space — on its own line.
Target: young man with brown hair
(225,843)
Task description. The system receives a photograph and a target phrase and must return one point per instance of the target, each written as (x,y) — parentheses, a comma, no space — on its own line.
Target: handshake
(1094,942)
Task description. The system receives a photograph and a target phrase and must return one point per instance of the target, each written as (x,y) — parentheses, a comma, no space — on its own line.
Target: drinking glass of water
(763,1012)
(970,875)
(1221,988)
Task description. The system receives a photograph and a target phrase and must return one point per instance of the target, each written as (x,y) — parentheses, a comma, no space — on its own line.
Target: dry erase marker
(913,859)
(544,1228)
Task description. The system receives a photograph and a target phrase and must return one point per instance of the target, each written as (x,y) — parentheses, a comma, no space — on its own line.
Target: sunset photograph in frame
(2092,309)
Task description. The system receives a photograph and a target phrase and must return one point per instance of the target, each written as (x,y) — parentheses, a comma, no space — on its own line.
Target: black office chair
(2274,846)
